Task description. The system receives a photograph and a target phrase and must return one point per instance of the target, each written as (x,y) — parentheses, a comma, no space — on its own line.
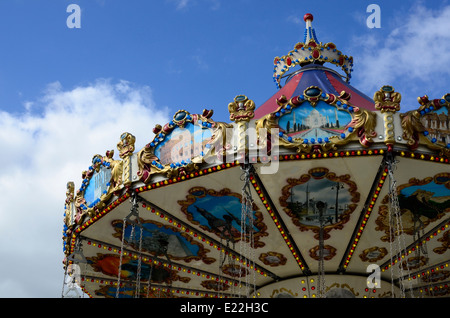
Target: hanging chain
(391,239)
(396,229)
(394,214)
(73,272)
(421,249)
(121,258)
(138,272)
(321,271)
(82,279)
(221,262)
(247,251)
(149,283)
(232,265)
(134,212)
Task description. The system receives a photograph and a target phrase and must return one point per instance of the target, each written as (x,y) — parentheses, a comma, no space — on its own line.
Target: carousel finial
(310,33)
(311,51)
(308,16)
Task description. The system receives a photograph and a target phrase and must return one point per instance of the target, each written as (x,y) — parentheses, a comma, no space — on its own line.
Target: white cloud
(214,5)
(41,152)
(413,57)
(295,19)
(200,62)
(180,4)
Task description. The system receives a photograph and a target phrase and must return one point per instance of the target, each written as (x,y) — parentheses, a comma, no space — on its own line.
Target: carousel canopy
(319,192)
(310,56)
(315,75)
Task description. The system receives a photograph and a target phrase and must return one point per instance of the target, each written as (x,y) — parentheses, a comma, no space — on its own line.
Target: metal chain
(82,279)
(64,281)
(138,272)
(420,231)
(402,247)
(232,264)
(395,211)
(321,272)
(391,239)
(247,251)
(121,257)
(241,242)
(149,283)
(221,262)
(72,285)
(134,212)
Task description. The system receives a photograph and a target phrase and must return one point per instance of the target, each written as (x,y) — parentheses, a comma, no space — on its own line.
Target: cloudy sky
(67,94)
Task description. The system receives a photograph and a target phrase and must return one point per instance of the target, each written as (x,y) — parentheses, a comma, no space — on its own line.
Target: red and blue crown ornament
(311,51)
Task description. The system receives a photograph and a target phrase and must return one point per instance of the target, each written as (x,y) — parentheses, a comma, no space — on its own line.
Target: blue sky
(194,53)
(67,94)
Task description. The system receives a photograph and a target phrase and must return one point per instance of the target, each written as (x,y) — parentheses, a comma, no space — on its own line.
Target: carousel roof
(319,192)
(303,67)
(328,80)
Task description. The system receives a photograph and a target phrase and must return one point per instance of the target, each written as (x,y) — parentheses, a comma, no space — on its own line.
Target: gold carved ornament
(120,176)
(414,131)
(388,102)
(241,109)
(149,163)
(361,127)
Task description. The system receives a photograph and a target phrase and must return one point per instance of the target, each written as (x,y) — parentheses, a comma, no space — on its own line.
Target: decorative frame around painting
(359,123)
(108,264)
(320,174)
(420,194)
(201,254)
(223,229)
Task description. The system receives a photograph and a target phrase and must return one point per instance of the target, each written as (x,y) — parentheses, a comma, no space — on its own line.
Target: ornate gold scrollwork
(70,196)
(120,175)
(69,212)
(363,123)
(241,112)
(220,141)
(267,124)
(241,109)
(126,145)
(361,127)
(414,130)
(388,102)
(145,159)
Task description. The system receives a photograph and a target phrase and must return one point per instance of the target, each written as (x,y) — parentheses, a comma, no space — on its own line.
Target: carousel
(320,192)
